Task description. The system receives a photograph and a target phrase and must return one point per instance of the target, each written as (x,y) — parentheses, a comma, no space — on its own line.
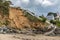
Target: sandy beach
(26,37)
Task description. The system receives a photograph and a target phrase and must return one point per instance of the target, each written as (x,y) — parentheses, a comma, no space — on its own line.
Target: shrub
(58,23)
(31,17)
(52,21)
(6,22)
(43,18)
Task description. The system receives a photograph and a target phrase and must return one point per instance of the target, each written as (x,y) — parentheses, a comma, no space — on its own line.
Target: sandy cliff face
(17,18)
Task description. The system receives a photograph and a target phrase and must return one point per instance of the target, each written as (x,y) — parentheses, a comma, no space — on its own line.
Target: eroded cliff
(20,18)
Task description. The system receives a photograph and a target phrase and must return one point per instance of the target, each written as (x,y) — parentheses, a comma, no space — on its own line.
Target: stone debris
(5,29)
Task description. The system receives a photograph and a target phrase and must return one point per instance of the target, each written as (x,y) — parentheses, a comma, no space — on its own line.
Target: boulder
(57,31)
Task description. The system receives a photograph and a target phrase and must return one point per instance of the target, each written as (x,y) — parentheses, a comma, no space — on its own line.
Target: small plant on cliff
(6,22)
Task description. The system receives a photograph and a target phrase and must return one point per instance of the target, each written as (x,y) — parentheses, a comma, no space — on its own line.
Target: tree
(4,7)
(51,13)
(4,11)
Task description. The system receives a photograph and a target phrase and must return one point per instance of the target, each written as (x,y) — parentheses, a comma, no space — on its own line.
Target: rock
(37,32)
(5,29)
(53,32)
(57,31)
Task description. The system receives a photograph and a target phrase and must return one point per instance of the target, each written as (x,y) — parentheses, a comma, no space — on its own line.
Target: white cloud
(42,6)
(47,3)
(16,3)
(38,1)
(20,2)
(25,1)
(44,2)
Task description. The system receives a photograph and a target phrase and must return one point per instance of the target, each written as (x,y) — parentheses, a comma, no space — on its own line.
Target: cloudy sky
(39,7)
